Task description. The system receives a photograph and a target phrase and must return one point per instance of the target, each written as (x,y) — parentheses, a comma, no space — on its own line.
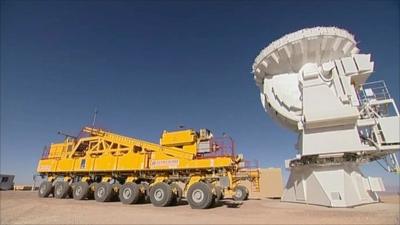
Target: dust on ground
(26,207)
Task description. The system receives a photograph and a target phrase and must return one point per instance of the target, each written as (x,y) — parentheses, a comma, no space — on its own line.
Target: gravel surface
(26,207)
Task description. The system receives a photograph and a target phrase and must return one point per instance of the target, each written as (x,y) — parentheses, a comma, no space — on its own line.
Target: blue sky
(150,66)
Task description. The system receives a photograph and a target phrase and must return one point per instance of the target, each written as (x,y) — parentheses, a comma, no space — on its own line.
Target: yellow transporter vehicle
(106,165)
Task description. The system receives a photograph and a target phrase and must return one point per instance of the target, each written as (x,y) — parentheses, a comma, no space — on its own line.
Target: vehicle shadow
(232,204)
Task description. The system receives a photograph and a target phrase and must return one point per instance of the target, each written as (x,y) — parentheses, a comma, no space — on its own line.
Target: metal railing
(373,91)
(219,146)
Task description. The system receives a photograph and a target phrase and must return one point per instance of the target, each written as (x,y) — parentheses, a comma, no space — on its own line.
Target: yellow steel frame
(105,153)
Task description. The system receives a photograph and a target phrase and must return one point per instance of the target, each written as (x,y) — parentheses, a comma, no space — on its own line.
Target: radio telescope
(313,82)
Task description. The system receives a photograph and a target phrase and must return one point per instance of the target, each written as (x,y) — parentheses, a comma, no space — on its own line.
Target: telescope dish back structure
(313,82)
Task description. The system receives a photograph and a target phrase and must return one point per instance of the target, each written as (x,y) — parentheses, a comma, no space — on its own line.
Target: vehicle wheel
(61,189)
(219,195)
(71,190)
(161,194)
(80,190)
(241,193)
(116,188)
(103,192)
(92,188)
(129,193)
(145,193)
(199,196)
(177,192)
(45,189)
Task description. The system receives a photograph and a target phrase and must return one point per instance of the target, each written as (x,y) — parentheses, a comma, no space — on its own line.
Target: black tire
(116,187)
(45,189)
(80,191)
(241,193)
(219,195)
(178,193)
(145,192)
(92,188)
(199,196)
(247,196)
(103,192)
(71,190)
(61,189)
(161,195)
(129,193)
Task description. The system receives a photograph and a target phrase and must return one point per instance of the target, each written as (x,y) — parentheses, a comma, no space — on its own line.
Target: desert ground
(25,207)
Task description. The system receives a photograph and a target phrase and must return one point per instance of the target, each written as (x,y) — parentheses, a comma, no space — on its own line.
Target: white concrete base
(333,186)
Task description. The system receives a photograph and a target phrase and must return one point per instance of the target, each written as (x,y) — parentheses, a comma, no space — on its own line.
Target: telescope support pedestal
(334,186)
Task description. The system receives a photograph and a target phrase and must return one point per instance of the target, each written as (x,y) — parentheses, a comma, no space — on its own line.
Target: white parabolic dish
(276,69)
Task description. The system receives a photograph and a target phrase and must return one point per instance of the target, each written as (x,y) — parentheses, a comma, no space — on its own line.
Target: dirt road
(27,208)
